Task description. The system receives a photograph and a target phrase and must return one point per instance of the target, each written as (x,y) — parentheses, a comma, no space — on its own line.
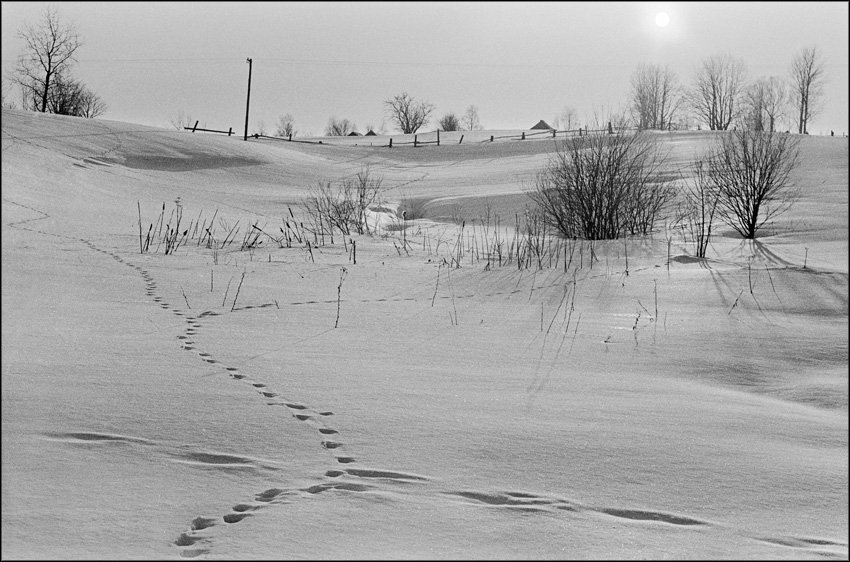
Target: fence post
(438,137)
(610,130)
(229,131)
(523,135)
(290,137)
(461,139)
(553,133)
(415,141)
(491,138)
(196,126)
(579,131)
(391,142)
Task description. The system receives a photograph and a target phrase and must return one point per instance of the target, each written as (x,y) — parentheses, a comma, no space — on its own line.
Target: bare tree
(602,116)
(407,113)
(261,128)
(339,127)
(285,126)
(566,119)
(765,102)
(49,53)
(91,105)
(602,186)
(64,95)
(6,102)
(449,122)
(698,208)
(470,119)
(656,96)
(180,120)
(716,95)
(808,75)
(749,171)
(71,97)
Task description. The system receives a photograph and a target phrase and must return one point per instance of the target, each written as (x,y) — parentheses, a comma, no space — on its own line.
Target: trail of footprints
(194,542)
(191,540)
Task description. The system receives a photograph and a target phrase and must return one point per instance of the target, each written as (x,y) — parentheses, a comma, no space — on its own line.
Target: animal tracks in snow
(346,476)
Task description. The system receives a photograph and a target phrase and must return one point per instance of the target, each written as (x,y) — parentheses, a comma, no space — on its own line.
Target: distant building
(371,134)
(354,134)
(543,125)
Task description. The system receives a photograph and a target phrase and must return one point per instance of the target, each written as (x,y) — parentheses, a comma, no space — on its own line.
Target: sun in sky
(662,19)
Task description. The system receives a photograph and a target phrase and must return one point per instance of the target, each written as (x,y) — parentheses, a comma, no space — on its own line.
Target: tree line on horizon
(720,97)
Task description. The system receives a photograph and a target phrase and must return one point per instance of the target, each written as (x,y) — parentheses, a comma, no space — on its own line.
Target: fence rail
(524,135)
(195,128)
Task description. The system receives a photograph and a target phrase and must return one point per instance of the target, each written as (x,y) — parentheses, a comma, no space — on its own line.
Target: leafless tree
(808,75)
(261,128)
(656,96)
(6,90)
(602,116)
(180,120)
(285,126)
(567,119)
(71,97)
(407,113)
(470,119)
(91,105)
(339,127)
(602,186)
(49,54)
(716,94)
(765,103)
(749,171)
(449,122)
(698,207)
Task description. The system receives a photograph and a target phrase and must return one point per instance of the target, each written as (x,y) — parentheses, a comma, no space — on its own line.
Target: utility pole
(248,103)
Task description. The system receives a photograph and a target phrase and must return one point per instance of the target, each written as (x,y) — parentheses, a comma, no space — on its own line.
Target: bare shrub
(750,170)
(603,186)
(343,207)
(180,120)
(339,127)
(696,212)
(449,122)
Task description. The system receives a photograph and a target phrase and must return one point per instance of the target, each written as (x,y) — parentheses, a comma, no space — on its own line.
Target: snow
(202,404)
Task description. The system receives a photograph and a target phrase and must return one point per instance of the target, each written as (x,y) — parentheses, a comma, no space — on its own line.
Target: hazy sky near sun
(517,62)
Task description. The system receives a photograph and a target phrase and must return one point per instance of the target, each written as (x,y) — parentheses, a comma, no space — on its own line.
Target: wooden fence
(195,128)
(551,133)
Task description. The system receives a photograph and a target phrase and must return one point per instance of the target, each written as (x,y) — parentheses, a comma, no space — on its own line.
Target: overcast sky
(517,62)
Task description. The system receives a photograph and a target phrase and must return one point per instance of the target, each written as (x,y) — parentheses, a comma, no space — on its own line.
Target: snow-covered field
(285,402)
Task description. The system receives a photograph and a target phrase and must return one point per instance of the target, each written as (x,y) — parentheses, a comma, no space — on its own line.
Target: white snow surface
(285,402)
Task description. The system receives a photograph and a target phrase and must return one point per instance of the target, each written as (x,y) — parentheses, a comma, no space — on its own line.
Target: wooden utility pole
(248,103)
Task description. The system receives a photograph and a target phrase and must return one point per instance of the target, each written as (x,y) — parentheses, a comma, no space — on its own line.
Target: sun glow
(662,19)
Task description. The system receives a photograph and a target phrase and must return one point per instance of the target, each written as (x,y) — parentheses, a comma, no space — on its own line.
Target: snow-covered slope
(286,402)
